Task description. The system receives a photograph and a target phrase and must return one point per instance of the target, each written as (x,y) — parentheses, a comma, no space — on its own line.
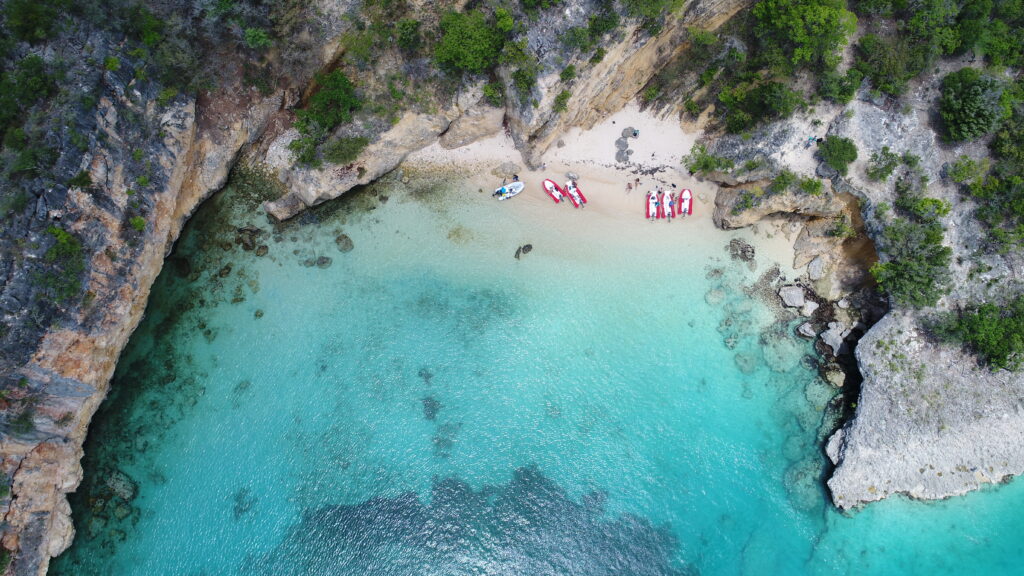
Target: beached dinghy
(685,203)
(662,200)
(575,194)
(509,190)
(652,205)
(554,190)
(670,200)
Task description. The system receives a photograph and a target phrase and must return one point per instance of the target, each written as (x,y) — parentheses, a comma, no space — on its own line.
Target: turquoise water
(428,404)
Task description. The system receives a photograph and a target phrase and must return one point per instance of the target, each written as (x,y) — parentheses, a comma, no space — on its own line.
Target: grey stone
(825,171)
(806,330)
(834,337)
(323,262)
(622,144)
(792,296)
(808,308)
(816,269)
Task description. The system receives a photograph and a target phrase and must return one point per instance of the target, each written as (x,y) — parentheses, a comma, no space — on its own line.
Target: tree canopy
(468,42)
(804,32)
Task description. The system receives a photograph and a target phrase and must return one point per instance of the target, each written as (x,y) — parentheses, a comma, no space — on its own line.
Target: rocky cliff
(188,147)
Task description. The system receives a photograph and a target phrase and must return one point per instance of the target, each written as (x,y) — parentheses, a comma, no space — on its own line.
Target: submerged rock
(747,363)
(224,271)
(741,250)
(262,250)
(324,262)
(527,248)
(344,243)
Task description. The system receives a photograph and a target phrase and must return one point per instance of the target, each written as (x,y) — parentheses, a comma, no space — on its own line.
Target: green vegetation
(750,103)
(841,228)
(969,104)
(333,104)
(112,63)
(915,267)
(893,53)
(838,152)
(562,101)
(968,171)
(651,13)
(469,42)
(882,164)
(811,186)
(699,161)
(494,94)
(23,423)
(796,33)
(138,223)
(783,181)
(63,279)
(839,88)
(34,20)
(603,20)
(81,180)
(257,39)
(568,73)
(344,150)
(996,333)
(407,35)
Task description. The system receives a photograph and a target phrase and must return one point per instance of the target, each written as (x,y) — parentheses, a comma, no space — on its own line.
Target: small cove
(427,404)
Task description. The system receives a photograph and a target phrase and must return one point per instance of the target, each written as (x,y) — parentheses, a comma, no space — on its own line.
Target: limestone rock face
(931,426)
(728,217)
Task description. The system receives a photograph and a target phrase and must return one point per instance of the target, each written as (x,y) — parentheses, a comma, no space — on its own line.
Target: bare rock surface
(792,296)
(930,423)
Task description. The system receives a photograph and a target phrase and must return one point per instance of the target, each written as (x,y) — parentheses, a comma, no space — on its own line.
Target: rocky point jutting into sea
(926,420)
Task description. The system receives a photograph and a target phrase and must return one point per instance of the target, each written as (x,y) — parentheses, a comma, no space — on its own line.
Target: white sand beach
(612,208)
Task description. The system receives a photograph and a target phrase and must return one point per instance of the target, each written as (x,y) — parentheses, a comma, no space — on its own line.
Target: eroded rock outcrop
(730,212)
(930,422)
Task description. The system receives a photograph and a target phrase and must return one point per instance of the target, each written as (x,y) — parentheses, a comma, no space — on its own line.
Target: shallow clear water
(427,404)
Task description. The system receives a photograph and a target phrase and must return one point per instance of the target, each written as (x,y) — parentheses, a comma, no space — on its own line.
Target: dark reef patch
(529,526)
(431,406)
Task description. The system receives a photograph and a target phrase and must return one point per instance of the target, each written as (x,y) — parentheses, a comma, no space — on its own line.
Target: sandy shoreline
(590,154)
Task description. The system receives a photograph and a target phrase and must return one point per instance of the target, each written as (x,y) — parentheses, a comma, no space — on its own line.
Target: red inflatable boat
(554,190)
(575,194)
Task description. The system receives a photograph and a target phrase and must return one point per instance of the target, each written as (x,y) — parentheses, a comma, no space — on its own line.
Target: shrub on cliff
(699,160)
(63,278)
(795,33)
(969,105)
(838,152)
(468,42)
(34,20)
(914,268)
(994,332)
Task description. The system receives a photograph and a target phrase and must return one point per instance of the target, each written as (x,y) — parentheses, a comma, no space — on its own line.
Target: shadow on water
(528,526)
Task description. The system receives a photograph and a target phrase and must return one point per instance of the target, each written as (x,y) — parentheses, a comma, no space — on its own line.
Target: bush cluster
(699,161)
(969,105)
(838,152)
(915,268)
(994,332)
(333,104)
(469,42)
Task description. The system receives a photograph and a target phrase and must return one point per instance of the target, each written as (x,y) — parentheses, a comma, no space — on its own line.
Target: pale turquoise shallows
(428,404)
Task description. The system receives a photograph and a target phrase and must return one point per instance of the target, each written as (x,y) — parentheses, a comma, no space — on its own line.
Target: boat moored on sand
(509,190)
(554,190)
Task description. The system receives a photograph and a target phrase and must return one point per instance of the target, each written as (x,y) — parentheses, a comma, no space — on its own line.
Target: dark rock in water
(323,262)
(740,250)
(527,248)
(309,262)
(344,243)
(431,407)
(426,374)
(258,314)
(247,237)
(262,250)
(518,252)
(223,272)
(383,199)
(182,266)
